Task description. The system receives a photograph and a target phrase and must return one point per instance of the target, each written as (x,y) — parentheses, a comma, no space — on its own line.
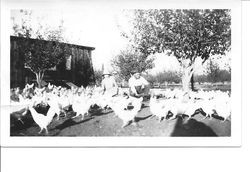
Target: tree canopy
(43,55)
(129,60)
(44,51)
(187,34)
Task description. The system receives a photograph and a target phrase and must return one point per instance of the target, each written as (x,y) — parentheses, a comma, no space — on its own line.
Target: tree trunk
(38,80)
(186,78)
(39,77)
(192,83)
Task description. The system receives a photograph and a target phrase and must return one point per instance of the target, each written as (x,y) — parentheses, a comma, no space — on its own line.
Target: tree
(215,74)
(40,55)
(129,60)
(213,71)
(186,34)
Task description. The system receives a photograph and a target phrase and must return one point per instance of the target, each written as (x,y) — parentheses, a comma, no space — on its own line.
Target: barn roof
(71,45)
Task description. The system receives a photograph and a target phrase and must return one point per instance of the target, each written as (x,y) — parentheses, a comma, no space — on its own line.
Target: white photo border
(233,141)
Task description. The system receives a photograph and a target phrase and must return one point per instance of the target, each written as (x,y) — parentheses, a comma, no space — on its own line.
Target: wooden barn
(77,68)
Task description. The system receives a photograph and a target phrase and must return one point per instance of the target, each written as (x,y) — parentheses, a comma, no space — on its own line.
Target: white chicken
(64,102)
(102,102)
(223,108)
(189,107)
(41,120)
(177,94)
(127,116)
(123,102)
(50,86)
(40,99)
(39,91)
(158,108)
(182,107)
(24,103)
(99,99)
(207,107)
(81,105)
(28,87)
(55,105)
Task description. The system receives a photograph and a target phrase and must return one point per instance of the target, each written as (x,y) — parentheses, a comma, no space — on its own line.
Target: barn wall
(81,72)
(16,65)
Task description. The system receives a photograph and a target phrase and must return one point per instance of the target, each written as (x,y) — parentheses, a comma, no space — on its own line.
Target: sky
(86,27)
(99,29)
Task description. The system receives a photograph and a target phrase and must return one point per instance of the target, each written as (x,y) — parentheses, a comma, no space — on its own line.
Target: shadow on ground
(137,119)
(191,128)
(70,122)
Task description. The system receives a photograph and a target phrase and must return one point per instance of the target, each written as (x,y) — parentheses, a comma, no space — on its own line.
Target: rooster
(41,120)
(127,116)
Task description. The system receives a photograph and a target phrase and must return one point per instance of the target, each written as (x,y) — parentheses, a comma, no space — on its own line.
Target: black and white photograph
(125,72)
(164,72)
(124,85)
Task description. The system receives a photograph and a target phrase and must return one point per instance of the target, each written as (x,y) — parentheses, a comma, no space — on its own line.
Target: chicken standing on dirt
(158,108)
(81,105)
(127,116)
(41,120)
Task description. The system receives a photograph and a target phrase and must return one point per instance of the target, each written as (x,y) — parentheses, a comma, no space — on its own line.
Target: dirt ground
(100,123)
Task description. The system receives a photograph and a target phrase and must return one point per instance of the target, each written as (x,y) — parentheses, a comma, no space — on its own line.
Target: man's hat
(106,72)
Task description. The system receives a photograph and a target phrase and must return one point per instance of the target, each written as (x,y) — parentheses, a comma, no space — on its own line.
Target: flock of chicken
(81,99)
(175,102)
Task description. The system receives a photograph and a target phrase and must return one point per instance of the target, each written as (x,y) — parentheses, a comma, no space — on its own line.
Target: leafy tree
(213,71)
(186,34)
(40,55)
(201,78)
(129,60)
(225,75)
(215,74)
(165,76)
(151,79)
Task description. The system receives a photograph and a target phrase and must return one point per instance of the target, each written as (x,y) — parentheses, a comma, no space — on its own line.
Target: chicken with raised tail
(41,120)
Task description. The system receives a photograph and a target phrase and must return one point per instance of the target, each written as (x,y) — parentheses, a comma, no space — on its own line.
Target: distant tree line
(175,77)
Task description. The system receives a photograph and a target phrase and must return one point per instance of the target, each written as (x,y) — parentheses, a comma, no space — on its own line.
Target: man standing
(138,86)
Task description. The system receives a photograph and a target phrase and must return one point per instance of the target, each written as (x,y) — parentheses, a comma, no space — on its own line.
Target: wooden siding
(81,72)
